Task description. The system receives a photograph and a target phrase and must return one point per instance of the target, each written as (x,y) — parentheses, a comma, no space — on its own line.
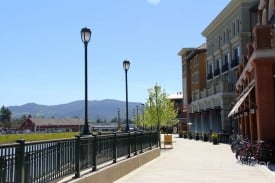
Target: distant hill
(103,109)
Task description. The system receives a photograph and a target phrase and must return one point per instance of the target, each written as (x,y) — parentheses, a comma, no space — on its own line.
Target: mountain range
(97,109)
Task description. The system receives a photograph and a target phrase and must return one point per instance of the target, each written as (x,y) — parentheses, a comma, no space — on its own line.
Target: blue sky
(42,55)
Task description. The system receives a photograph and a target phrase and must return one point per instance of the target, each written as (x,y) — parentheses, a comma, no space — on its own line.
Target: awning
(240,101)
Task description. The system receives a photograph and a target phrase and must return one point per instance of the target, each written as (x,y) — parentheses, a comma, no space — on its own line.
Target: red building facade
(255,108)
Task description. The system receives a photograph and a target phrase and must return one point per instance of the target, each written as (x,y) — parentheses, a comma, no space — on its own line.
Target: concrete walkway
(193,161)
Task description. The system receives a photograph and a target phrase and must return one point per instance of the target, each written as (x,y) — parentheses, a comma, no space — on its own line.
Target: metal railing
(46,161)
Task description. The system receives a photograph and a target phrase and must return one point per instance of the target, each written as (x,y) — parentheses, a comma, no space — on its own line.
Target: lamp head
(126,65)
(85,34)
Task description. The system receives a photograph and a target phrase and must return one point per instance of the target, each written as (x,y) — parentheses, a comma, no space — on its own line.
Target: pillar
(264,93)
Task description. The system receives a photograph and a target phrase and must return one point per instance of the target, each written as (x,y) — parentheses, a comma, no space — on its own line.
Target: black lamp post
(143,122)
(118,118)
(85,36)
(137,117)
(126,65)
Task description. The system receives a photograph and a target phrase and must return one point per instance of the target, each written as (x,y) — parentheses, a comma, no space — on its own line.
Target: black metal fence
(46,161)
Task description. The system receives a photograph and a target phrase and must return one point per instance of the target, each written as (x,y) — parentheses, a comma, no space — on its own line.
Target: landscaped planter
(214,137)
(197,136)
(205,137)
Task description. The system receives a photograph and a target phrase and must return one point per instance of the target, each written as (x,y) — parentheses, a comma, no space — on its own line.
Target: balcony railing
(216,72)
(263,35)
(234,63)
(209,76)
(224,67)
(203,93)
(47,161)
(210,91)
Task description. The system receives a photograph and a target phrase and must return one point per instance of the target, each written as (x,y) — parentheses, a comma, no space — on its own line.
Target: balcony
(209,76)
(203,93)
(234,63)
(264,37)
(216,72)
(210,91)
(225,67)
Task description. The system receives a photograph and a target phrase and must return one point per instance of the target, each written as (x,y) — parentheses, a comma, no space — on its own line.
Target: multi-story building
(226,39)
(193,76)
(255,108)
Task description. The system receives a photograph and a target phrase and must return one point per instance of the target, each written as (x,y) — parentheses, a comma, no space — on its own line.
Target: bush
(214,137)
(197,135)
(189,134)
(181,134)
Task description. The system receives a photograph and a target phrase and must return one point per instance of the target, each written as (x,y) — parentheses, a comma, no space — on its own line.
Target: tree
(159,110)
(5,116)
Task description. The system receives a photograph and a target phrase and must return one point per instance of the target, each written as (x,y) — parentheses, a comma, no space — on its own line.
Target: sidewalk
(193,161)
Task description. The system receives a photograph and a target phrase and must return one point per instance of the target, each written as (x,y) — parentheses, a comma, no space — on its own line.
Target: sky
(42,55)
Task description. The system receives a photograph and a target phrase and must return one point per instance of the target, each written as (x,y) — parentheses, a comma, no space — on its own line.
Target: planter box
(215,141)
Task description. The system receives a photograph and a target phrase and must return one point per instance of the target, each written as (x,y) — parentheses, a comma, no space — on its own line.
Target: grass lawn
(11,138)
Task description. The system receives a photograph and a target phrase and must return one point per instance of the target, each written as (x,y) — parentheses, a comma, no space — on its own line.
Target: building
(194,78)
(226,39)
(52,125)
(177,99)
(255,108)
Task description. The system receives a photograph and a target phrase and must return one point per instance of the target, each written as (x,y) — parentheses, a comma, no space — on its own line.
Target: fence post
(129,145)
(95,153)
(19,161)
(141,141)
(3,169)
(135,136)
(27,167)
(114,149)
(77,156)
(151,137)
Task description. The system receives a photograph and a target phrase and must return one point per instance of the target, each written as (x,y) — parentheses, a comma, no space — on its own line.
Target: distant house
(52,124)
(177,99)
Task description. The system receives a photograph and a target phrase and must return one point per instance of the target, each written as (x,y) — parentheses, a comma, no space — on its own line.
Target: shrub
(214,137)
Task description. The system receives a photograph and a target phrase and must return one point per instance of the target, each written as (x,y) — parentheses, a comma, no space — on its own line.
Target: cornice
(224,14)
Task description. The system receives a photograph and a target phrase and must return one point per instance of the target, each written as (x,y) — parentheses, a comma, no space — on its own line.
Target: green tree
(159,110)
(5,116)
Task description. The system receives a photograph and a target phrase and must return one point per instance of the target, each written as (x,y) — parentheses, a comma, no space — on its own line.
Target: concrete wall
(111,173)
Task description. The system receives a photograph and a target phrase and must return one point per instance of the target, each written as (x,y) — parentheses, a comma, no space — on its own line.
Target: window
(217,64)
(237,54)
(210,68)
(196,60)
(238,25)
(226,59)
(234,29)
(225,63)
(236,57)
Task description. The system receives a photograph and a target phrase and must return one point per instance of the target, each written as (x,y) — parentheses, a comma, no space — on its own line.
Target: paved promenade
(193,161)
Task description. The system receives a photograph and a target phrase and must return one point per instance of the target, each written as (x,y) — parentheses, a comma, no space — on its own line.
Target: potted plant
(214,137)
(181,133)
(190,135)
(185,134)
(205,137)
(197,135)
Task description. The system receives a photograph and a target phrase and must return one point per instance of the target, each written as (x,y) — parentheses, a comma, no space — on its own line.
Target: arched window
(271,9)
(264,17)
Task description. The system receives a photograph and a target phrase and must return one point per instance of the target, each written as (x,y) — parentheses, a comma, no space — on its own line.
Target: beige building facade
(226,39)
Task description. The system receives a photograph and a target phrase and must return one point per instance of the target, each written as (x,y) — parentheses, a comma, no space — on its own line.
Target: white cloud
(155,2)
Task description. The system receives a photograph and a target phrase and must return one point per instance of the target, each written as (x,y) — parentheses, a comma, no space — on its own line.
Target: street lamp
(137,117)
(126,65)
(118,118)
(143,122)
(85,36)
